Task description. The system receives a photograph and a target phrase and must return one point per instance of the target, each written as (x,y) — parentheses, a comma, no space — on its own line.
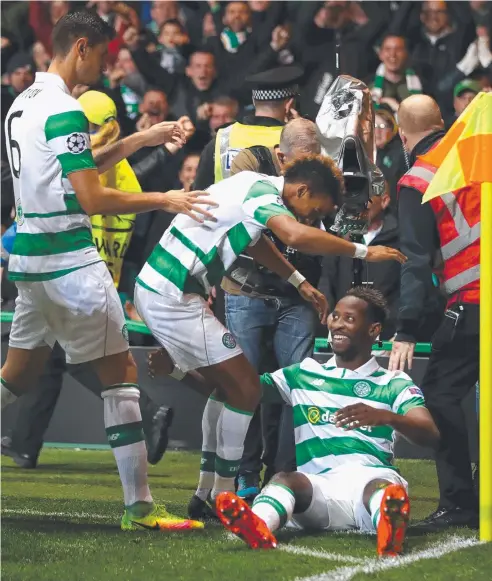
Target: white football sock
(8,396)
(210,418)
(275,505)
(123,424)
(231,432)
(375,505)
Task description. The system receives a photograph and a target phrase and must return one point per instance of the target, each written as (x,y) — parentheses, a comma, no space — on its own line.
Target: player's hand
(317,299)
(382,253)
(181,202)
(212,295)
(159,362)
(165,132)
(401,353)
(360,415)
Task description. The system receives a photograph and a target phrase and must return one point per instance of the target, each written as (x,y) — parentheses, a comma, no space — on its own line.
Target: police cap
(276,84)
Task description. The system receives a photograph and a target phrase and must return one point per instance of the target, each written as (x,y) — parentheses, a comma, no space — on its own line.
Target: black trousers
(452,371)
(37,406)
(270,441)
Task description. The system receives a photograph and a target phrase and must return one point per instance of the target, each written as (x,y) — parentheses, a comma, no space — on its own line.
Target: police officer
(450,226)
(274,98)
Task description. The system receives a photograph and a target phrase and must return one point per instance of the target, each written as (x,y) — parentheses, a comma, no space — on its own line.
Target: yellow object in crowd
(111,234)
(231,140)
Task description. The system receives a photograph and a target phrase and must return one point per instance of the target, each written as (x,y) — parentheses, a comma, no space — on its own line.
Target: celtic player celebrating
(65,292)
(172,289)
(346,413)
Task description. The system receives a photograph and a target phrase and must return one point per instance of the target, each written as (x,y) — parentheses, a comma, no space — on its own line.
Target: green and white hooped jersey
(317,391)
(192,257)
(47,138)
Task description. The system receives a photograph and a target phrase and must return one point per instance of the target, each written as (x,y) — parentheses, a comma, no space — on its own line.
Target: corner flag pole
(485,385)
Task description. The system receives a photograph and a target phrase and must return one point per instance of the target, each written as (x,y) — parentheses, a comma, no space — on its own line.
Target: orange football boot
(393,521)
(236,515)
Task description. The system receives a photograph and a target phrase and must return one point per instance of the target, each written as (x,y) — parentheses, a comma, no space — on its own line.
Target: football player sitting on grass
(346,415)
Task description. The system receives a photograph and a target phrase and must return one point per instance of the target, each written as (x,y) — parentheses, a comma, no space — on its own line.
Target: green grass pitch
(60,523)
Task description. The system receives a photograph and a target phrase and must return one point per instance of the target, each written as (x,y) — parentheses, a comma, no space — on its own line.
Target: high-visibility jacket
(457,217)
(112,234)
(232,139)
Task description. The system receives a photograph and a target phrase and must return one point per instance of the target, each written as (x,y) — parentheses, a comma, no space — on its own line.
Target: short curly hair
(320,172)
(377,305)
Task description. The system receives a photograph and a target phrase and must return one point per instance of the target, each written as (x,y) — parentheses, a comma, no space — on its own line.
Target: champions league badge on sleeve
(76,143)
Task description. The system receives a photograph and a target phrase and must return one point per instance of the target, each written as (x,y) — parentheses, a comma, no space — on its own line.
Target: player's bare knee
(371,487)
(251,394)
(22,368)
(296,481)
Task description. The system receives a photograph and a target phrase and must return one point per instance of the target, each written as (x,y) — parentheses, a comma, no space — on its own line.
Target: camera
(362,181)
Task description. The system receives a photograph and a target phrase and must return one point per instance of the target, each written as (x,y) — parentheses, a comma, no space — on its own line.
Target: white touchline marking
(296,550)
(299,550)
(80,515)
(450,545)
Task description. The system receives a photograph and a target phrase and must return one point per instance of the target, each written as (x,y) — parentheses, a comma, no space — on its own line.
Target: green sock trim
(282,486)
(375,517)
(245,413)
(226,468)
(207,462)
(10,387)
(275,504)
(125,434)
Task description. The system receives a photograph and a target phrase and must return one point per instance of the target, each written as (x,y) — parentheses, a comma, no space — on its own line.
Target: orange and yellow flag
(464,156)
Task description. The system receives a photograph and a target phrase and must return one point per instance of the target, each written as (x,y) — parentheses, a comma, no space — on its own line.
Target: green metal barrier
(320,344)
(134,326)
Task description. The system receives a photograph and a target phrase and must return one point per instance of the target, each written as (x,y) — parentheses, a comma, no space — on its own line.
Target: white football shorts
(337,498)
(186,328)
(81,310)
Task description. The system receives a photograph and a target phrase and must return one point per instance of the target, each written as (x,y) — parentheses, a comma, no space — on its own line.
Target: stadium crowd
(193,62)
(173,60)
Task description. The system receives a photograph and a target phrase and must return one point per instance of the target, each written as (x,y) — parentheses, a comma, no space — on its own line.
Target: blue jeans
(292,326)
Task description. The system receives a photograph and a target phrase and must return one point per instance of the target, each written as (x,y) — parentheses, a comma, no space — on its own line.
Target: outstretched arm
(97,199)
(314,241)
(158,134)
(267,254)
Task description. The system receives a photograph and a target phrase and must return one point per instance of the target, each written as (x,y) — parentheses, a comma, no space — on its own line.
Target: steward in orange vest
(457,218)
(443,236)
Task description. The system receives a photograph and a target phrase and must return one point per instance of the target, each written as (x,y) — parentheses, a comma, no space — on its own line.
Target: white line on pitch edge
(450,545)
(296,550)
(80,515)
